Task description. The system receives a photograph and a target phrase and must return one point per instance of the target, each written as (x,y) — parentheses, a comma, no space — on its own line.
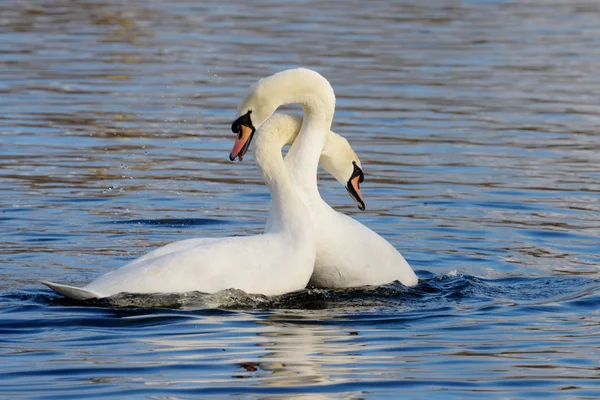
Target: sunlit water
(477,126)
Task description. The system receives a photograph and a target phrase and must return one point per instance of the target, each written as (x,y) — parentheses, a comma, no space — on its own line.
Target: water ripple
(476,124)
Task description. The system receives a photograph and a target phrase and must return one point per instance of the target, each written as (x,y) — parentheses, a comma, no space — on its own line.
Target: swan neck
(303,156)
(289,209)
(317,98)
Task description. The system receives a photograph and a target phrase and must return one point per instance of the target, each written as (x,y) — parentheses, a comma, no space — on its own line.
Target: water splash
(431,292)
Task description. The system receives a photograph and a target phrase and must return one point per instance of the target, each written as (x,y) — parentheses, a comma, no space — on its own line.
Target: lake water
(477,123)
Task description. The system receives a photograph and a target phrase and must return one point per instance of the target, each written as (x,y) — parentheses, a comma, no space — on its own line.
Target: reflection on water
(459,335)
(476,123)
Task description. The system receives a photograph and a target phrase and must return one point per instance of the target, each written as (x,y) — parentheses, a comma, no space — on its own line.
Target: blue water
(477,126)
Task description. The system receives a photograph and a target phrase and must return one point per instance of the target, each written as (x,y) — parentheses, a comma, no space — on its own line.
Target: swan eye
(358,172)
(243,120)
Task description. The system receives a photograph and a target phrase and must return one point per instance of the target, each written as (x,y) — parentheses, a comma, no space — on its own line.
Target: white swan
(279,261)
(337,158)
(348,253)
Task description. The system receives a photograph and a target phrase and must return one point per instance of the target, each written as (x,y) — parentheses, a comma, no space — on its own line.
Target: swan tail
(72,292)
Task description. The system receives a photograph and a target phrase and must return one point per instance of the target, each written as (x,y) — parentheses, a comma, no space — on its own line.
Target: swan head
(252,113)
(339,159)
(245,130)
(299,85)
(254,110)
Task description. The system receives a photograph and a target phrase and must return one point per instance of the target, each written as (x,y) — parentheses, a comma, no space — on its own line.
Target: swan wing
(71,292)
(254,264)
(180,245)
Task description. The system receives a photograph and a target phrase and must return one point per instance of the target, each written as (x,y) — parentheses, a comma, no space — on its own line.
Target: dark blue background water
(477,126)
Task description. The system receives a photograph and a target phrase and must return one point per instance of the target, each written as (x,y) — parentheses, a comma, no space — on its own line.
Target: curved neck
(303,157)
(289,209)
(316,96)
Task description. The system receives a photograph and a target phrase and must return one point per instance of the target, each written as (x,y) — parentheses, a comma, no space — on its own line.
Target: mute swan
(348,253)
(279,261)
(337,158)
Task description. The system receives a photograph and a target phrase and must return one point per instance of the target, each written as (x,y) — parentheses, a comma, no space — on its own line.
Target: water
(476,123)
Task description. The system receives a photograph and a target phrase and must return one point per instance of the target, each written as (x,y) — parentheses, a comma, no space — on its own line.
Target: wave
(432,291)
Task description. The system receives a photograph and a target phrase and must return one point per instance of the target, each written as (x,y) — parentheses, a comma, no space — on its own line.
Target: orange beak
(242,142)
(353,186)
(354,190)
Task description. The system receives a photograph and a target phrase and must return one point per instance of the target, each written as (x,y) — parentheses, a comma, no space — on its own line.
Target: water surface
(476,123)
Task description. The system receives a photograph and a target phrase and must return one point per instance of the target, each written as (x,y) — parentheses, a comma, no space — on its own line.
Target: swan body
(348,253)
(281,260)
(337,154)
(263,264)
